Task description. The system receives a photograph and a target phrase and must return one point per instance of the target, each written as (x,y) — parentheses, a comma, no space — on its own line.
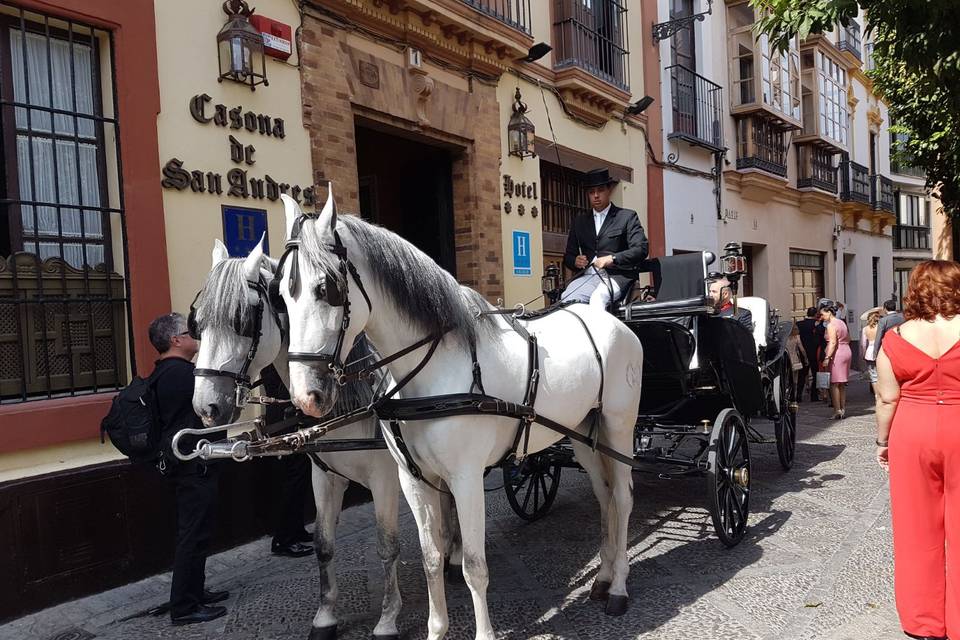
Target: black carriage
(706,379)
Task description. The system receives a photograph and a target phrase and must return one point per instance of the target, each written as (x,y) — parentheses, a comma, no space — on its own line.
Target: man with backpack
(195,482)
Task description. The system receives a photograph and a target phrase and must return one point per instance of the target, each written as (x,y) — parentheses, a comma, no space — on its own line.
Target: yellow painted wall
(188,66)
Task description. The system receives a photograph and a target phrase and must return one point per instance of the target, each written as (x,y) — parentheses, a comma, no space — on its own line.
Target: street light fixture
(520,130)
(240,47)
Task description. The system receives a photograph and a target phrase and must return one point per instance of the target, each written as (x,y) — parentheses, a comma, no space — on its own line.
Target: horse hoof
(323,633)
(600,590)
(616,605)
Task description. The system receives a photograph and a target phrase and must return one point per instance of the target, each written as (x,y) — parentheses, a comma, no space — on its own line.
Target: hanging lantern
(520,131)
(240,47)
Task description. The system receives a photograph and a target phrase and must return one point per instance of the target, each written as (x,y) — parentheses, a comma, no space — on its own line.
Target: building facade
(783,152)
(127,152)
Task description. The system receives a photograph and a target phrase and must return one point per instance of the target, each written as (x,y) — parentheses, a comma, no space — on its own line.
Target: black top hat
(597,178)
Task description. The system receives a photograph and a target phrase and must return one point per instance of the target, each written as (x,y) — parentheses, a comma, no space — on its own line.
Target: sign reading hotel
(237,182)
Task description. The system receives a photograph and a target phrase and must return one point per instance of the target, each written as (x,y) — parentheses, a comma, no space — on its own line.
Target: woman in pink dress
(837,357)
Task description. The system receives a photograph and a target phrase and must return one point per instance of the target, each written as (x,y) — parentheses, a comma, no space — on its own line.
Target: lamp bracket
(664,30)
(240,8)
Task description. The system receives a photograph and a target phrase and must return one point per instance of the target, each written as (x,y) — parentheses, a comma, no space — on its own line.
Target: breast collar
(335,297)
(240,378)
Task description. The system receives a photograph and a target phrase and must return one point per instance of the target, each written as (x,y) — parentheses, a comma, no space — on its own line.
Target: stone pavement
(816,564)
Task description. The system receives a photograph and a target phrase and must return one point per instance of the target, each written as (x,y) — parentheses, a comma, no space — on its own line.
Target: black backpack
(133,422)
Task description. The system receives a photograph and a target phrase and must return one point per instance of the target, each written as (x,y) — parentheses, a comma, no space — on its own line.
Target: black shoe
(210,597)
(304,536)
(203,613)
(292,550)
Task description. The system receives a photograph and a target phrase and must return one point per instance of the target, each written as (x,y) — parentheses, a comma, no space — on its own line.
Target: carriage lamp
(240,47)
(520,130)
(550,281)
(733,262)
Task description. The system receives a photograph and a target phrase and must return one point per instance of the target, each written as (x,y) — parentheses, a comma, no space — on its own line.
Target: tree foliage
(916,71)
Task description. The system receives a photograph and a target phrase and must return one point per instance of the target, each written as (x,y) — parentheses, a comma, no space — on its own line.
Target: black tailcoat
(621,236)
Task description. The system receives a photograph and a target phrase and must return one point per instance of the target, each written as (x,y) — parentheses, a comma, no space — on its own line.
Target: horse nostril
(213,411)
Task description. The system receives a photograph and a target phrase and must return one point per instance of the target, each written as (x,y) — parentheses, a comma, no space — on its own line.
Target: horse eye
(320,291)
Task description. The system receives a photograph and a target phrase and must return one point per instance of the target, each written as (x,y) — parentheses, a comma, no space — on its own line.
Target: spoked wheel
(531,485)
(728,477)
(785,424)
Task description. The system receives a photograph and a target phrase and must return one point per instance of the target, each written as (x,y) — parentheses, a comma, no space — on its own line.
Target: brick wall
(334,96)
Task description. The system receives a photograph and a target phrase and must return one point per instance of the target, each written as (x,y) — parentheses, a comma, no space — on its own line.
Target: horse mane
(223,293)
(423,293)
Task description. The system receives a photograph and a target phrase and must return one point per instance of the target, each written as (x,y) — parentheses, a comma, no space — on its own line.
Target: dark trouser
(292,481)
(196,490)
(813,365)
(801,382)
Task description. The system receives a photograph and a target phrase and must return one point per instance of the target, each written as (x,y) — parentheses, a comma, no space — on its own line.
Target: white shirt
(599,217)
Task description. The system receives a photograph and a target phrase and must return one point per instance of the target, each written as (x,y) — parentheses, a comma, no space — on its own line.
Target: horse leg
(424,502)
(593,465)
(621,480)
(386,503)
(328,490)
(468,493)
(453,567)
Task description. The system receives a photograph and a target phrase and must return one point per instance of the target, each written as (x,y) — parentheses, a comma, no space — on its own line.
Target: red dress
(925,488)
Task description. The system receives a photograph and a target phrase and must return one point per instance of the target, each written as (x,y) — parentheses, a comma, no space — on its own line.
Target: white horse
(225,309)
(411,297)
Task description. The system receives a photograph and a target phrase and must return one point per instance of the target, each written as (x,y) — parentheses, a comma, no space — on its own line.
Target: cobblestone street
(816,563)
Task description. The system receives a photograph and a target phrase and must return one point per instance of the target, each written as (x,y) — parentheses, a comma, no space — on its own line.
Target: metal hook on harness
(520,310)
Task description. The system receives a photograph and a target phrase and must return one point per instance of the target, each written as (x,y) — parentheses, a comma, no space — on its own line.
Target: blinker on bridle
(251,327)
(333,295)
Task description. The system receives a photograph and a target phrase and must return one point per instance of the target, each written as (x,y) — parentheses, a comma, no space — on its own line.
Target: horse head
(326,309)
(240,332)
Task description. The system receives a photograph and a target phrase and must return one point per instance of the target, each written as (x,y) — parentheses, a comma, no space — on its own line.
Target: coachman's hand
(581,262)
(602,262)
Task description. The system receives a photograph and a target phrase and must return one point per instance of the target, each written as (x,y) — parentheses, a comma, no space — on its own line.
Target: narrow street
(816,564)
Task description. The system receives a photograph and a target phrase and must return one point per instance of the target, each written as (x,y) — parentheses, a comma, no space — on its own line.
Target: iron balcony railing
(854,182)
(850,39)
(593,36)
(911,237)
(760,145)
(697,108)
(881,193)
(819,173)
(515,13)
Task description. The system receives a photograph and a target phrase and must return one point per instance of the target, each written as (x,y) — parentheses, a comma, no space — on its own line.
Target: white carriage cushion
(760,310)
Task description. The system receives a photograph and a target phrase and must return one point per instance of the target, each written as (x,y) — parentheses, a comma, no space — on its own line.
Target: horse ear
(219,253)
(328,216)
(292,211)
(251,264)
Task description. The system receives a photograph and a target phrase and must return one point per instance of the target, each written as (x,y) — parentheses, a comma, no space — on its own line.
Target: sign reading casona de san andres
(237,183)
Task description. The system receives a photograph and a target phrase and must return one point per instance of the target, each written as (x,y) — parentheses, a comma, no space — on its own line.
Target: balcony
(697,110)
(911,238)
(848,39)
(761,145)
(816,169)
(906,170)
(855,182)
(762,81)
(824,99)
(881,193)
(513,13)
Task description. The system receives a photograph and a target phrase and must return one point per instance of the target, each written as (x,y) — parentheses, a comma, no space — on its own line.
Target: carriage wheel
(728,477)
(531,485)
(785,424)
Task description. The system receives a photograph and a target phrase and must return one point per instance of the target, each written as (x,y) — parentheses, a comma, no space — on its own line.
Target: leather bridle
(253,330)
(330,291)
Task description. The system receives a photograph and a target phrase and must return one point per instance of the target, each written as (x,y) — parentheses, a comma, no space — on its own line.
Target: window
(62,300)
(824,97)
(563,198)
(759,75)
(912,210)
(592,35)
(901,280)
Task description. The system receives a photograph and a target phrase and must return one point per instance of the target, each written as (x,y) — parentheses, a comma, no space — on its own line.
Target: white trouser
(592,287)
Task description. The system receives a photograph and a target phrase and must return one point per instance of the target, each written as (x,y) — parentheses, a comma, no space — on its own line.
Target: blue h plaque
(242,228)
(521,253)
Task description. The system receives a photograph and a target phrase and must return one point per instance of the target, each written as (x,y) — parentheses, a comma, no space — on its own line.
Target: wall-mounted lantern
(520,131)
(240,47)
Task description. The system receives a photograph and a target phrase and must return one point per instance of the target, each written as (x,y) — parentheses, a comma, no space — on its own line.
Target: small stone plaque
(369,74)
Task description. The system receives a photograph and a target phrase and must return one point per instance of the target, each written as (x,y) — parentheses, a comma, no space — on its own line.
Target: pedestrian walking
(810,339)
(890,319)
(798,362)
(195,483)
(868,338)
(918,410)
(837,356)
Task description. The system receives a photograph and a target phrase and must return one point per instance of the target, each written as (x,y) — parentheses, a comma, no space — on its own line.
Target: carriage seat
(666,308)
(760,310)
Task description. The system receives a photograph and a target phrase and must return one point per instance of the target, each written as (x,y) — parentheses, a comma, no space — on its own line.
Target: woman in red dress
(918,442)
